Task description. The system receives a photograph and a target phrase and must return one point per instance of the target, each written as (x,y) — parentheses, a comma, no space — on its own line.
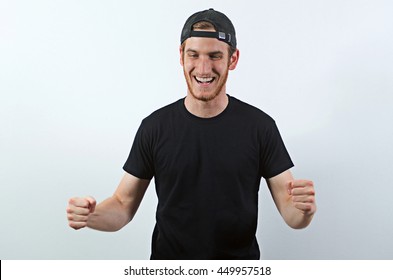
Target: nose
(204,65)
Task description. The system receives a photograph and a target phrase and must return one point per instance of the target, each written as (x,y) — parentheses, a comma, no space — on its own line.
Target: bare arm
(295,199)
(113,213)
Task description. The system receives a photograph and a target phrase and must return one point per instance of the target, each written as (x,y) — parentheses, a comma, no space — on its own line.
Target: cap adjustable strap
(212,34)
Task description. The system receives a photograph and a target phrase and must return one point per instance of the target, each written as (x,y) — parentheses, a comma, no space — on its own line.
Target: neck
(206,109)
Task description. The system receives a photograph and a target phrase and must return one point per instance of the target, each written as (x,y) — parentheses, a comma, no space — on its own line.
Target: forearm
(110,215)
(113,213)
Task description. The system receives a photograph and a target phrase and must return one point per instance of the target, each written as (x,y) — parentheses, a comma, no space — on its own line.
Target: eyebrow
(210,53)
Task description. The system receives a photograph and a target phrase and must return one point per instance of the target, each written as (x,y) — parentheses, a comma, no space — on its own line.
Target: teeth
(204,80)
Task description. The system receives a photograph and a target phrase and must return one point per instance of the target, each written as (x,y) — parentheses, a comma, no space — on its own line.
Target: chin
(205,96)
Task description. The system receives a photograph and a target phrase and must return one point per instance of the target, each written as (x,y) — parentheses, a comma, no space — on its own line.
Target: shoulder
(250,112)
(162,114)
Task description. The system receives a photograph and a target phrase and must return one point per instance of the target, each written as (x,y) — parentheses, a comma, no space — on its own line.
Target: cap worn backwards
(225,31)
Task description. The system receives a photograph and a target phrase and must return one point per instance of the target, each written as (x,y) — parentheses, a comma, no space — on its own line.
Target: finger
(77,218)
(77,225)
(308,208)
(79,202)
(303,199)
(303,191)
(301,183)
(71,209)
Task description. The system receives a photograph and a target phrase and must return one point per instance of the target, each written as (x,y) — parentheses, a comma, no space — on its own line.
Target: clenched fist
(78,211)
(303,196)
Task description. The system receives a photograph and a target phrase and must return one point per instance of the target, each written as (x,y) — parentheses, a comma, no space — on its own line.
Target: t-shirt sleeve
(275,158)
(140,160)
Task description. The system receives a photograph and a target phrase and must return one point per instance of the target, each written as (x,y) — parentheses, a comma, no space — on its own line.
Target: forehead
(205,45)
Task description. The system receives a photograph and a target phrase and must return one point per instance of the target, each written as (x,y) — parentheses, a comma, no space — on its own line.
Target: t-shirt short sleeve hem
(278,171)
(136,174)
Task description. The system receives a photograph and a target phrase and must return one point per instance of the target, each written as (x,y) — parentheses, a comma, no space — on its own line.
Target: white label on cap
(221,35)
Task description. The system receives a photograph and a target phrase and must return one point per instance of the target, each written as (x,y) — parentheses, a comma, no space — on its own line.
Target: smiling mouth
(201,80)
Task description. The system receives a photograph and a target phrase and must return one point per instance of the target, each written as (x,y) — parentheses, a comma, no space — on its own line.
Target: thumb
(290,187)
(92,203)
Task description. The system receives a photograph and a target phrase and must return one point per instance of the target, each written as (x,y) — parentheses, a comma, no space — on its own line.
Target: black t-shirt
(207,174)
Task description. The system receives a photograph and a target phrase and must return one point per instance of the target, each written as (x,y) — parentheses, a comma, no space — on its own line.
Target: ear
(181,55)
(234,60)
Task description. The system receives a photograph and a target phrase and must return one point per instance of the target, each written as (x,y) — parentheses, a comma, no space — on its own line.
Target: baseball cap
(225,31)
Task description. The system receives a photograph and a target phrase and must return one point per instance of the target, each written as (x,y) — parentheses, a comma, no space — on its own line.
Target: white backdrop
(77,77)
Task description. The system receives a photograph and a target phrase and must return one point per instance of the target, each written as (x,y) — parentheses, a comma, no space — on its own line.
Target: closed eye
(192,54)
(216,55)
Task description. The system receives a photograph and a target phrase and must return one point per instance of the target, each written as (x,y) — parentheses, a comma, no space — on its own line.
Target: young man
(207,153)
